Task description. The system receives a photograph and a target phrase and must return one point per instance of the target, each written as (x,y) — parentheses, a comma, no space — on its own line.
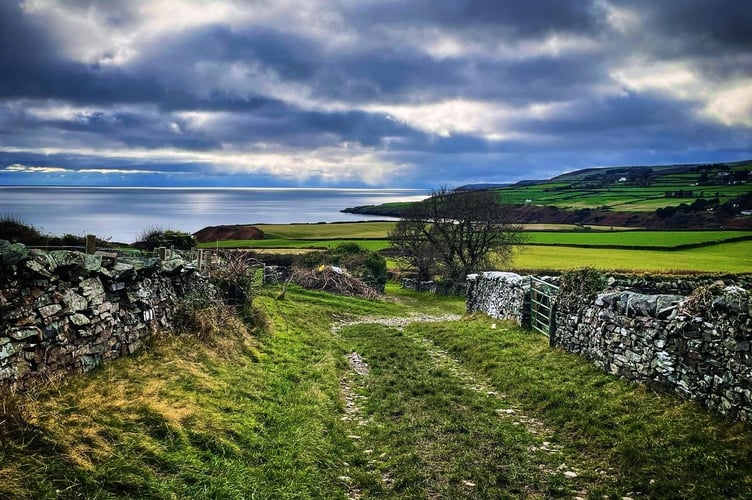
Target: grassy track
(655,445)
(446,410)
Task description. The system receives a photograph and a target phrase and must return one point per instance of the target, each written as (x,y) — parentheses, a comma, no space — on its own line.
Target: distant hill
(657,169)
(480,187)
(661,196)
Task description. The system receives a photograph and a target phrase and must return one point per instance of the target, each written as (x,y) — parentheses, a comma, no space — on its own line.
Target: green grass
(575,192)
(666,239)
(353,230)
(716,257)
(657,445)
(724,258)
(370,235)
(286,243)
(264,417)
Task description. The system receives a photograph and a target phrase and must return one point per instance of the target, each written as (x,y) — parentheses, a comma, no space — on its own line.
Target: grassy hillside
(708,196)
(342,398)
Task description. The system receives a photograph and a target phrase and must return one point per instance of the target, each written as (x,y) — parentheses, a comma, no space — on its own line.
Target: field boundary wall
(67,312)
(437,287)
(691,335)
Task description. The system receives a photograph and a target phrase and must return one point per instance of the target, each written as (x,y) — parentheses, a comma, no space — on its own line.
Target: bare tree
(462,231)
(413,248)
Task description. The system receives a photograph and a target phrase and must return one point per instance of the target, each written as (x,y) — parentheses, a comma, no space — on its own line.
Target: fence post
(91,244)
(200,260)
(552,324)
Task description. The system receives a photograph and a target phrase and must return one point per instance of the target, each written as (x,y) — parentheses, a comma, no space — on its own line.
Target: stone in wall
(501,295)
(66,311)
(691,335)
(442,287)
(419,286)
(695,345)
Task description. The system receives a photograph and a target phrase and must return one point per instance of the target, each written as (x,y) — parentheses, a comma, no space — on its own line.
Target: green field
(666,239)
(622,199)
(721,258)
(292,243)
(548,250)
(349,230)
(586,190)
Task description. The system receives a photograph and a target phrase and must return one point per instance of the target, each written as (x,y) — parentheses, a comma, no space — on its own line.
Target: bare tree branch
(456,232)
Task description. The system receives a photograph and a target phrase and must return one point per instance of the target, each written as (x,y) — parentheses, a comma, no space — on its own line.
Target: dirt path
(549,455)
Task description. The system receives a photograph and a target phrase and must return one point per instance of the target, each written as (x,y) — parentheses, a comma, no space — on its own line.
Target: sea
(123,214)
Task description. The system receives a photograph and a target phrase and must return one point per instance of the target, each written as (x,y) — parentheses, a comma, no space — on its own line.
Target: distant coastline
(123,213)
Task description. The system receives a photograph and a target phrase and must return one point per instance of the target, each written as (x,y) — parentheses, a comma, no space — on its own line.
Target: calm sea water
(122,214)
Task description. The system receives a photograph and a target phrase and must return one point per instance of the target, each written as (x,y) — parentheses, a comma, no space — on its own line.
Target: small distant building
(622,179)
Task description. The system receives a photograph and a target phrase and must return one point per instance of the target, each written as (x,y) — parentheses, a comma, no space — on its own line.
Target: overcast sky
(367,92)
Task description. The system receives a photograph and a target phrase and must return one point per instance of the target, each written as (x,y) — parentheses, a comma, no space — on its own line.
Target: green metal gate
(542,295)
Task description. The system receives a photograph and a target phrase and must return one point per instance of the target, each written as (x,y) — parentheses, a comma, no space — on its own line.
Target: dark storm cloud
(22,43)
(700,25)
(247,86)
(520,19)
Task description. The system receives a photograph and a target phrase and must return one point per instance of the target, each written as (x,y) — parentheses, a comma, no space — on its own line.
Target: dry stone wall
(437,287)
(501,295)
(66,311)
(691,335)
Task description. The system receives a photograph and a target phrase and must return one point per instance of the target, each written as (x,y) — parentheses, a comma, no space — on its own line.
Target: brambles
(359,262)
(580,285)
(330,280)
(209,310)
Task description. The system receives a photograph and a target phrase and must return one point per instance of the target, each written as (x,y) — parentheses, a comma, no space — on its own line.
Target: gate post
(526,309)
(552,324)
(91,244)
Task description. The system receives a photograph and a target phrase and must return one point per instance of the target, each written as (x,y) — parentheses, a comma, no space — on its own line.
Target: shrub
(158,237)
(204,314)
(15,229)
(580,285)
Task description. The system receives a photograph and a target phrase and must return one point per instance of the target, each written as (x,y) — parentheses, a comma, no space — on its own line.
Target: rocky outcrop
(65,311)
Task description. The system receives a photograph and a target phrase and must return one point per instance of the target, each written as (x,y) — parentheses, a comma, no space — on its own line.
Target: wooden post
(200,259)
(91,244)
